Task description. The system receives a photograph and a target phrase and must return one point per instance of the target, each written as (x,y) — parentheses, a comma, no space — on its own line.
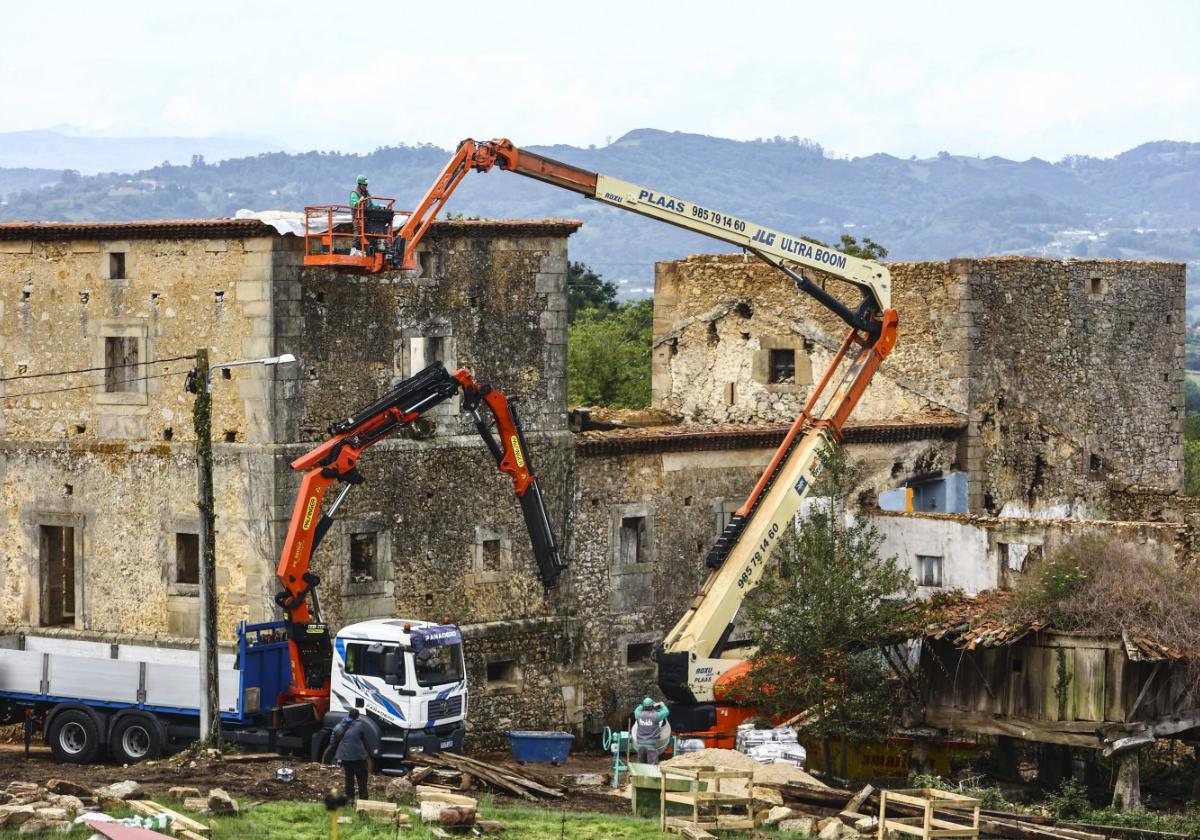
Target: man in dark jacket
(352,751)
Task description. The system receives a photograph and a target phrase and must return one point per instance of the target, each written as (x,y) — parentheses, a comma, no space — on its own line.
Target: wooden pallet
(708,803)
(181,826)
(930,826)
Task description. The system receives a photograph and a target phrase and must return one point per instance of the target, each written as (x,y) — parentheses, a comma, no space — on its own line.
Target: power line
(92,369)
(96,384)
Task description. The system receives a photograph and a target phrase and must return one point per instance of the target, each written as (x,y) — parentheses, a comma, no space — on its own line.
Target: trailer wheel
(136,737)
(74,737)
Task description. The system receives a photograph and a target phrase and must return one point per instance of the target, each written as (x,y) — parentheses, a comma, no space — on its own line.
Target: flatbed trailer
(140,701)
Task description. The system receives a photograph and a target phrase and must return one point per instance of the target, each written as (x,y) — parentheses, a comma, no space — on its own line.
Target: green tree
(1191,395)
(868,250)
(608,356)
(588,290)
(821,617)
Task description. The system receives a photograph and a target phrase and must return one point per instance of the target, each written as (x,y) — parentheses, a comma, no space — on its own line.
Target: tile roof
(987,620)
(687,438)
(249,228)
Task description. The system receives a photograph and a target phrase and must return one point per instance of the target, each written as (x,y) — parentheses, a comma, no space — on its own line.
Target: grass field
(310,821)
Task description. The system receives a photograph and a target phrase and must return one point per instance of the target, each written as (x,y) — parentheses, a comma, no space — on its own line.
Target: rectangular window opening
(639,653)
(187,558)
(782,366)
(1097,286)
(435,350)
(57,549)
(120,364)
(633,539)
(929,570)
(502,672)
(116,265)
(363,553)
(491,555)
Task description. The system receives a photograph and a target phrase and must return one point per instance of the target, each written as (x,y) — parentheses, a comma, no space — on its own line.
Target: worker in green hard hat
(360,193)
(648,720)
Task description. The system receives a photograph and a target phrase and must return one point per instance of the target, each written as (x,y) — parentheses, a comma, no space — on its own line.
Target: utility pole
(210,716)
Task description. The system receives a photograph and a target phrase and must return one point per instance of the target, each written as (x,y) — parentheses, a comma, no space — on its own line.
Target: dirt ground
(255,781)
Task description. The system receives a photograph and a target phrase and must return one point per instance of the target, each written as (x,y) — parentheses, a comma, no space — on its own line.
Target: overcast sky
(1016,79)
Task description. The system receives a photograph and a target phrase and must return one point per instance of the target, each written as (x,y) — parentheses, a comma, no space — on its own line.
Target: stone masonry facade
(1069,372)
(102,479)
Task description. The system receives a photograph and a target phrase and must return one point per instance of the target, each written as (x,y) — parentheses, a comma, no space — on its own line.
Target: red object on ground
(116,831)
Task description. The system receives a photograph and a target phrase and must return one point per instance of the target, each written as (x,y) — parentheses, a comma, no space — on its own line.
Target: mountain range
(1141,204)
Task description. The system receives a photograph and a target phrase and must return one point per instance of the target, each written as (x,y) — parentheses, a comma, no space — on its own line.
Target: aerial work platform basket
(359,239)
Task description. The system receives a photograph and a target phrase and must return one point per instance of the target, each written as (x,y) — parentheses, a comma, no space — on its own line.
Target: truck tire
(74,737)
(136,737)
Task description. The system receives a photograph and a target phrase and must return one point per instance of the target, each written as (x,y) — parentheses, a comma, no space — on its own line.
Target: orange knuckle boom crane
(697,660)
(321,667)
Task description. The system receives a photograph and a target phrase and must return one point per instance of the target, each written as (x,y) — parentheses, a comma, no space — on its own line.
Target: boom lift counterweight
(697,660)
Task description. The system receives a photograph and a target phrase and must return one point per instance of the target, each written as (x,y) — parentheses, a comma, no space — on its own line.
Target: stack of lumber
(472,772)
(181,826)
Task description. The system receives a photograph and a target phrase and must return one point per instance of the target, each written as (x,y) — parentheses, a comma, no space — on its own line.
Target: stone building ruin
(1054,388)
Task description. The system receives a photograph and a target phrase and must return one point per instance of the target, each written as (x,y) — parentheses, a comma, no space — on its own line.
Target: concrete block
(18,246)
(259,244)
(84,246)
(252,290)
(216,246)
(548,283)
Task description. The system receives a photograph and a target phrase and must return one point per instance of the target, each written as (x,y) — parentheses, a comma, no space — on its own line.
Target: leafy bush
(1069,802)
(991,798)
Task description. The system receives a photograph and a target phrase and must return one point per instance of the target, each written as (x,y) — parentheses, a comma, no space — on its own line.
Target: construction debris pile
(461,773)
(61,805)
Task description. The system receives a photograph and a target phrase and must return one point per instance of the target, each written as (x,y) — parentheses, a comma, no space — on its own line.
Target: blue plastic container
(552,747)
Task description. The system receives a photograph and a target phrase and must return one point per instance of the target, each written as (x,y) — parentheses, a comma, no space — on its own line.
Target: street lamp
(210,709)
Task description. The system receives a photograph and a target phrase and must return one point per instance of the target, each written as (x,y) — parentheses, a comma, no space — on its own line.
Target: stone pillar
(1127,792)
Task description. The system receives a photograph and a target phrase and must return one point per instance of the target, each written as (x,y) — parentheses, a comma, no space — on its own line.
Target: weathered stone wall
(58,303)
(1076,380)
(685,497)
(1071,372)
(716,318)
(980,553)
(126,503)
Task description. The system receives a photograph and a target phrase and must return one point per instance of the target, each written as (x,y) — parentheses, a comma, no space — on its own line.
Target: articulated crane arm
(337,460)
(691,660)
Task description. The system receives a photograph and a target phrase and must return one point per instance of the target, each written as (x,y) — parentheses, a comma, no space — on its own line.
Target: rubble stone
(831,829)
(68,788)
(184,793)
(127,789)
(400,791)
(777,814)
(375,810)
(800,825)
(220,802)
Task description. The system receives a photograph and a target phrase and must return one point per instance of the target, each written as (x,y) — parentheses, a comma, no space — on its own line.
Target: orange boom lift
(697,659)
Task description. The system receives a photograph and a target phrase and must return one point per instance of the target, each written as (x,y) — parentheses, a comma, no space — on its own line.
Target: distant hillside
(89,155)
(1144,203)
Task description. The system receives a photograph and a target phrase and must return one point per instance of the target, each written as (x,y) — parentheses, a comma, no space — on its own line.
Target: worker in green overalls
(360,193)
(647,730)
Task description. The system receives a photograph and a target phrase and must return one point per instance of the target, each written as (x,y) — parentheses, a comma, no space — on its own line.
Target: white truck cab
(409,679)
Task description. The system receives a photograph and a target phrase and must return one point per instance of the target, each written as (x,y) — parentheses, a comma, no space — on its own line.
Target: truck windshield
(443,665)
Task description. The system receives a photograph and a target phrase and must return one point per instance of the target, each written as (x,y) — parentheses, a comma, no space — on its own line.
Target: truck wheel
(136,738)
(74,737)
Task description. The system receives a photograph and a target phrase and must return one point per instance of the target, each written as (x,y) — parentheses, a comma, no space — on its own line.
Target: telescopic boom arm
(697,652)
